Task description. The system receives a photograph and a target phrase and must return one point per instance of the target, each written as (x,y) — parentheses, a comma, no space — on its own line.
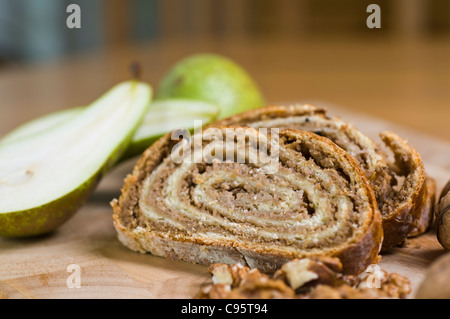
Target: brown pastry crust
(136,232)
(424,210)
(410,212)
(406,209)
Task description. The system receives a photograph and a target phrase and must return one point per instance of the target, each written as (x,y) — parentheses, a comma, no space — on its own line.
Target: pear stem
(136,71)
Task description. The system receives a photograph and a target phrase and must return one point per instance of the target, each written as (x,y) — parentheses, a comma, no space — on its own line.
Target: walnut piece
(307,278)
(260,286)
(300,272)
(394,286)
(228,274)
(216,291)
(243,283)
(341,292)
(390,285)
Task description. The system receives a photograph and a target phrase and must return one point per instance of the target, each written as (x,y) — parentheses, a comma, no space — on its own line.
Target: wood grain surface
(37,267)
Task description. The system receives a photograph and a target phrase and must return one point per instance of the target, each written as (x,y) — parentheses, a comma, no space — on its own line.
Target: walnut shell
(436,283)
(443,217)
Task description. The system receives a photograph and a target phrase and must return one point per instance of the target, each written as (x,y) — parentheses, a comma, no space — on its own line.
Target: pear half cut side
(47,176)
(166,115)
(162,117)
(40,124)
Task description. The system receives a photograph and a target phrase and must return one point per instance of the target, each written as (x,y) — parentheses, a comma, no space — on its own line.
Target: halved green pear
(40,124)
(47,176)
(162,117)
(166,115)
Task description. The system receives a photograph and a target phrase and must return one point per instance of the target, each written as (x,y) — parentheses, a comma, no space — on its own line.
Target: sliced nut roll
(272,198)
(395,172)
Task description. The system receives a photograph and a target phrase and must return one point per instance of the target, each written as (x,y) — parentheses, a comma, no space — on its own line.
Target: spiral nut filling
(316,202)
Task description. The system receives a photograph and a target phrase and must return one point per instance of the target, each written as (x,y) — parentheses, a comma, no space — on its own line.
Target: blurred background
(31,30)
(297,50)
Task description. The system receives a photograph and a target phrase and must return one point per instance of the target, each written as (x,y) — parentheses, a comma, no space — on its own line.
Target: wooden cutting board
(44,267)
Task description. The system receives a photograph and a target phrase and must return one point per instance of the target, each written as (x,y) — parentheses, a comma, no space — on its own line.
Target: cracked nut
(238,282)
(436,283)
(310,271)
(307,278)
(228,274)
(260,286)
(443,217)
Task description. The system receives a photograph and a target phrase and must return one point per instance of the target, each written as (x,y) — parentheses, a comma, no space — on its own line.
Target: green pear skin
(49,216)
